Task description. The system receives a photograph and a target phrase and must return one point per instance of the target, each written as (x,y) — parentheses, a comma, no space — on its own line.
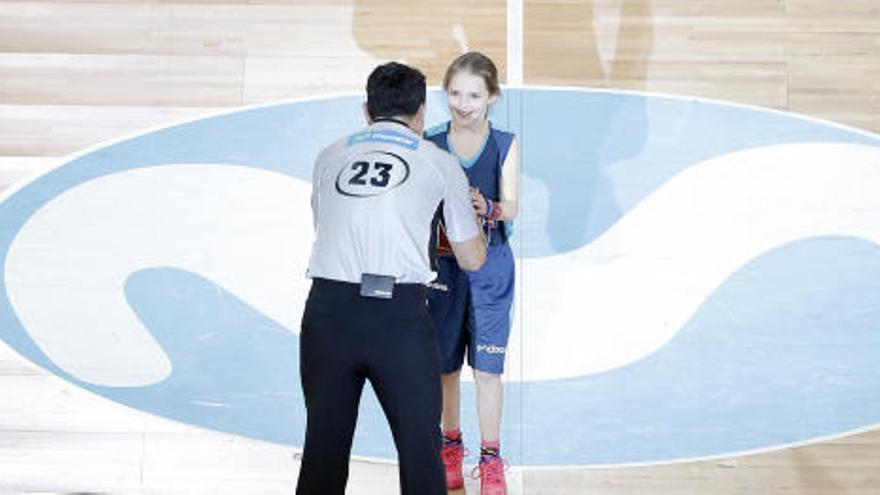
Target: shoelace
(494,470)
(453,455)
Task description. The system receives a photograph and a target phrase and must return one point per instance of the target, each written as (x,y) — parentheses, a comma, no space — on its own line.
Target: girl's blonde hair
(478,64)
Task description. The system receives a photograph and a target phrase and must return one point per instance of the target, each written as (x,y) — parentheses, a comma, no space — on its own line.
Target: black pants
(347,339)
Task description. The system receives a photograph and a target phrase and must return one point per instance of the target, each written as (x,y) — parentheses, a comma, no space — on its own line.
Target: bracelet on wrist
(493,210)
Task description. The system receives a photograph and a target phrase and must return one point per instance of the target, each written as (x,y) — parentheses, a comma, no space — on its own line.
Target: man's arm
(463,227)
(471,254)
(316,187)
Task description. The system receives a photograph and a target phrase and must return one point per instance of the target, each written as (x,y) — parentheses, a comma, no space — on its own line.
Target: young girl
(473,314)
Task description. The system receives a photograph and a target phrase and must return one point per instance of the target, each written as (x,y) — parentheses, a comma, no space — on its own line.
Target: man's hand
(479,202)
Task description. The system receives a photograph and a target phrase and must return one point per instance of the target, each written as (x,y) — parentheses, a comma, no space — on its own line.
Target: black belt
(372,290)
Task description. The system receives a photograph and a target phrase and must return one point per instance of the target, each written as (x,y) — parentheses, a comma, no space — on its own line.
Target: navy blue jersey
(483,170)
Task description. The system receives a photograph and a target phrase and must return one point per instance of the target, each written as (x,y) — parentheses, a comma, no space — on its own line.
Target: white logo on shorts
(491,349)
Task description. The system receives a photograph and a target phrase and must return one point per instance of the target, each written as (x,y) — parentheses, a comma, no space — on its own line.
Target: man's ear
(419,120)
(367,114)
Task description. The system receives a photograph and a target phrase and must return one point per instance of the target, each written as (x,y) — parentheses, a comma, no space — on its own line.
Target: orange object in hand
(444,248)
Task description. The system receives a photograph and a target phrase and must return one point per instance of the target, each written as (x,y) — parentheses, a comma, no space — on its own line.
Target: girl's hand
(479,202)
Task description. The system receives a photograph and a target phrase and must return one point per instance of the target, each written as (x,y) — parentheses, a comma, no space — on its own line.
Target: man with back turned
(374,195)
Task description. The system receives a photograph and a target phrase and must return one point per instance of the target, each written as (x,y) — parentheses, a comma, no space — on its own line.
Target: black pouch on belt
(379,286)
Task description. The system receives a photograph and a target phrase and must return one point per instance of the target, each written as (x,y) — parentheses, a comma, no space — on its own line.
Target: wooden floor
(74,74)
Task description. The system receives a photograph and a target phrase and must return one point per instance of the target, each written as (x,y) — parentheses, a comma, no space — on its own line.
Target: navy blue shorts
(474,314)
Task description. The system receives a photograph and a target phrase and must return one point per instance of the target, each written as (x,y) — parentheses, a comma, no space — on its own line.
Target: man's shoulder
(410,146)
(430,148)
(436,131)
(438,156)
(334,148)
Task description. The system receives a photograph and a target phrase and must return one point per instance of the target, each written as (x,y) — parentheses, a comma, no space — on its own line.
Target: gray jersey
(374,195)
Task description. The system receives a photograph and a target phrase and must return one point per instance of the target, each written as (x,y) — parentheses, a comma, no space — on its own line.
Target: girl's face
(468,97)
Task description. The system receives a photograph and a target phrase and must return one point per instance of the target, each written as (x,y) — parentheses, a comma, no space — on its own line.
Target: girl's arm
(510,183)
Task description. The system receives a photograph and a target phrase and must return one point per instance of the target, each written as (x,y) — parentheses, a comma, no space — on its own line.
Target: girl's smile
(468,98)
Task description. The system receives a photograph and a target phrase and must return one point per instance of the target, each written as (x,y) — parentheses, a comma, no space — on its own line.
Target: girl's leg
(489,401)
(491,298)
(453,449)
(451,418)
(491,290)
(489,391)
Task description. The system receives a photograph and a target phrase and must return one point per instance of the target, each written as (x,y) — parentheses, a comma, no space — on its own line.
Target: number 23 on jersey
(372,174)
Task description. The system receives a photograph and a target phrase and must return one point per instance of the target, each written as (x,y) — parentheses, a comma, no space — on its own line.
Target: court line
(514,43)
(732,455)
(59,161)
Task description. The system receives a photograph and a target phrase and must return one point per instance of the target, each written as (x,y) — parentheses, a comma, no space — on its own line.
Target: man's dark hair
(395,89)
